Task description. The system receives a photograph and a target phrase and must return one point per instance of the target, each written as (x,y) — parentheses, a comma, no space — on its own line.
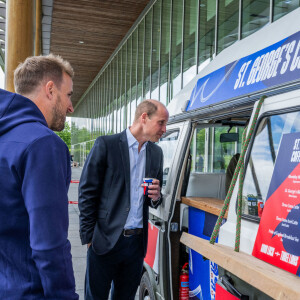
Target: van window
(262,158)
(168,144)
(214,151)
(209,153)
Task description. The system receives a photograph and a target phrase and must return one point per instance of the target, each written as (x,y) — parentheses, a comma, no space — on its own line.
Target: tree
(65,134)
(79,135)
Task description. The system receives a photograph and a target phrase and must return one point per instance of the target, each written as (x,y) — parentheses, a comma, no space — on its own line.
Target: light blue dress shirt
(137,173)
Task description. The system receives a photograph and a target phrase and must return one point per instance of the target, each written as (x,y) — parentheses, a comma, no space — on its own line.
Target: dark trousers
(123,265)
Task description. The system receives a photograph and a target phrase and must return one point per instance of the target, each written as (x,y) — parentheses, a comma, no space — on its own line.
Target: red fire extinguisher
(184,283)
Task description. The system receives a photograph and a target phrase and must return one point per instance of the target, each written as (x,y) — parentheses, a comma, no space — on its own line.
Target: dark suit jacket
(104,191)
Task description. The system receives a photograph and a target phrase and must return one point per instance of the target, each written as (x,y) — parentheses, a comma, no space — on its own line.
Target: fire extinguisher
(184,283)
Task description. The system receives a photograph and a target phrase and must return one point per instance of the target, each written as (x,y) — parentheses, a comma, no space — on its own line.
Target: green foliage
(79,135)
(201,142)
(65,135)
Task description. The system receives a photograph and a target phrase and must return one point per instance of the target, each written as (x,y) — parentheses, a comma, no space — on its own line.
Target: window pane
(123,90)
(255,15)
(165,51)
(102,100)
(113,89)
(147,61)
(101,106)
(214,158)
(263,153)
(133,74)
(207,19)
(95,112)
(190,30)
(109,106)
(228,23)
(97,108)
(176,47)
(282,7)
(211,154)
(140,61)
(168,144)
(198,155)
(90,96)
(155,50)
(110,98)
(119,89)
(223,151)
(88,116)
(128,80)
(107,111)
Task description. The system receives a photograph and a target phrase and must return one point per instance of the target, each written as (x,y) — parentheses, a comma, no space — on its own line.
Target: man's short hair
(36,69)
(147,107)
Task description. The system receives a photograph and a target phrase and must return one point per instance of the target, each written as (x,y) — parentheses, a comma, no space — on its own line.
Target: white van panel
(281,101)
(163,211)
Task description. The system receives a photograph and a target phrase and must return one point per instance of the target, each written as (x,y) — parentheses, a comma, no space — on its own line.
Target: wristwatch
(153,201)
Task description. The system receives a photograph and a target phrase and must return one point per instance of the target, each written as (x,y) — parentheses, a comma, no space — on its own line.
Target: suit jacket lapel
(123,144)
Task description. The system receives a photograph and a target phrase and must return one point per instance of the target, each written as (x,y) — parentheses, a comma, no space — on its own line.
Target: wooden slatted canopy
(100,25)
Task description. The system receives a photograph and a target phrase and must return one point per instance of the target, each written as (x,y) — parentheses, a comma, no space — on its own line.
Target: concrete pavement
(78,251)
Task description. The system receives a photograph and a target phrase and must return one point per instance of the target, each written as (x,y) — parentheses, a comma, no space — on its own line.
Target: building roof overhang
(86,33)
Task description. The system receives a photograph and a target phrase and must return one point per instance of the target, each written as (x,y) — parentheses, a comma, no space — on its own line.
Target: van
(202,147)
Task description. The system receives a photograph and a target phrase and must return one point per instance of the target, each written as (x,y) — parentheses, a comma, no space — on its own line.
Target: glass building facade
(167,47)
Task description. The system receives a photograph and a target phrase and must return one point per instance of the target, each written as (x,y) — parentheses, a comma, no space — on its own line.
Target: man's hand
(88,245)
(154,190)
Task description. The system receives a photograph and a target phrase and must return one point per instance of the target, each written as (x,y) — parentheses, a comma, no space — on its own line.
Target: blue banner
(271,66)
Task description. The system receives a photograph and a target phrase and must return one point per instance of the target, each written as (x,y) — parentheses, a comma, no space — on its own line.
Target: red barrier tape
(73,202)
(74,181)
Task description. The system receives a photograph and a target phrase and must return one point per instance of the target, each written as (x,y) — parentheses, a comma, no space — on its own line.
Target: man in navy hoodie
(35,257)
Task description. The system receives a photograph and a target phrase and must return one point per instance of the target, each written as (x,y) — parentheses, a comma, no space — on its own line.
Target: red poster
(222,294)
(152,255)
(278,237)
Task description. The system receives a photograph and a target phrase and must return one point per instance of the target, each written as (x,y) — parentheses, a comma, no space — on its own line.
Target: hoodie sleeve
(46,177)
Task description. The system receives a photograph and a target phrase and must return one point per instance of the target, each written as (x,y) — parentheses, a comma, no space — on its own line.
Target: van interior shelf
(211,205)
(275,282)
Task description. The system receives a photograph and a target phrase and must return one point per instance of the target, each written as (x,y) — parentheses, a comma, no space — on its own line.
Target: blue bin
(203,274)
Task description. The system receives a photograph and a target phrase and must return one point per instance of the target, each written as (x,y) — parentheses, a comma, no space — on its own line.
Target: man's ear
(144,116)
(49,89)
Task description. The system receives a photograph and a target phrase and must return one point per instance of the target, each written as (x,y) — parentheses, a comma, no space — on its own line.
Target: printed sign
(214,276)
(271,66)
(278,237)
(152,256)
(222,294)
(203,273)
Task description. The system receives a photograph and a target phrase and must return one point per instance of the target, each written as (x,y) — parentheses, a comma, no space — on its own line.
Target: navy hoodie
(35,256)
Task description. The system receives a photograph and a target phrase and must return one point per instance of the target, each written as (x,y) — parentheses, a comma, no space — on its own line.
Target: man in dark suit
(113,208)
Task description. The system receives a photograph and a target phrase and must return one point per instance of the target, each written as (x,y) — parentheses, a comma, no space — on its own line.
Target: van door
(279,117)
(173,144)
(214,151)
